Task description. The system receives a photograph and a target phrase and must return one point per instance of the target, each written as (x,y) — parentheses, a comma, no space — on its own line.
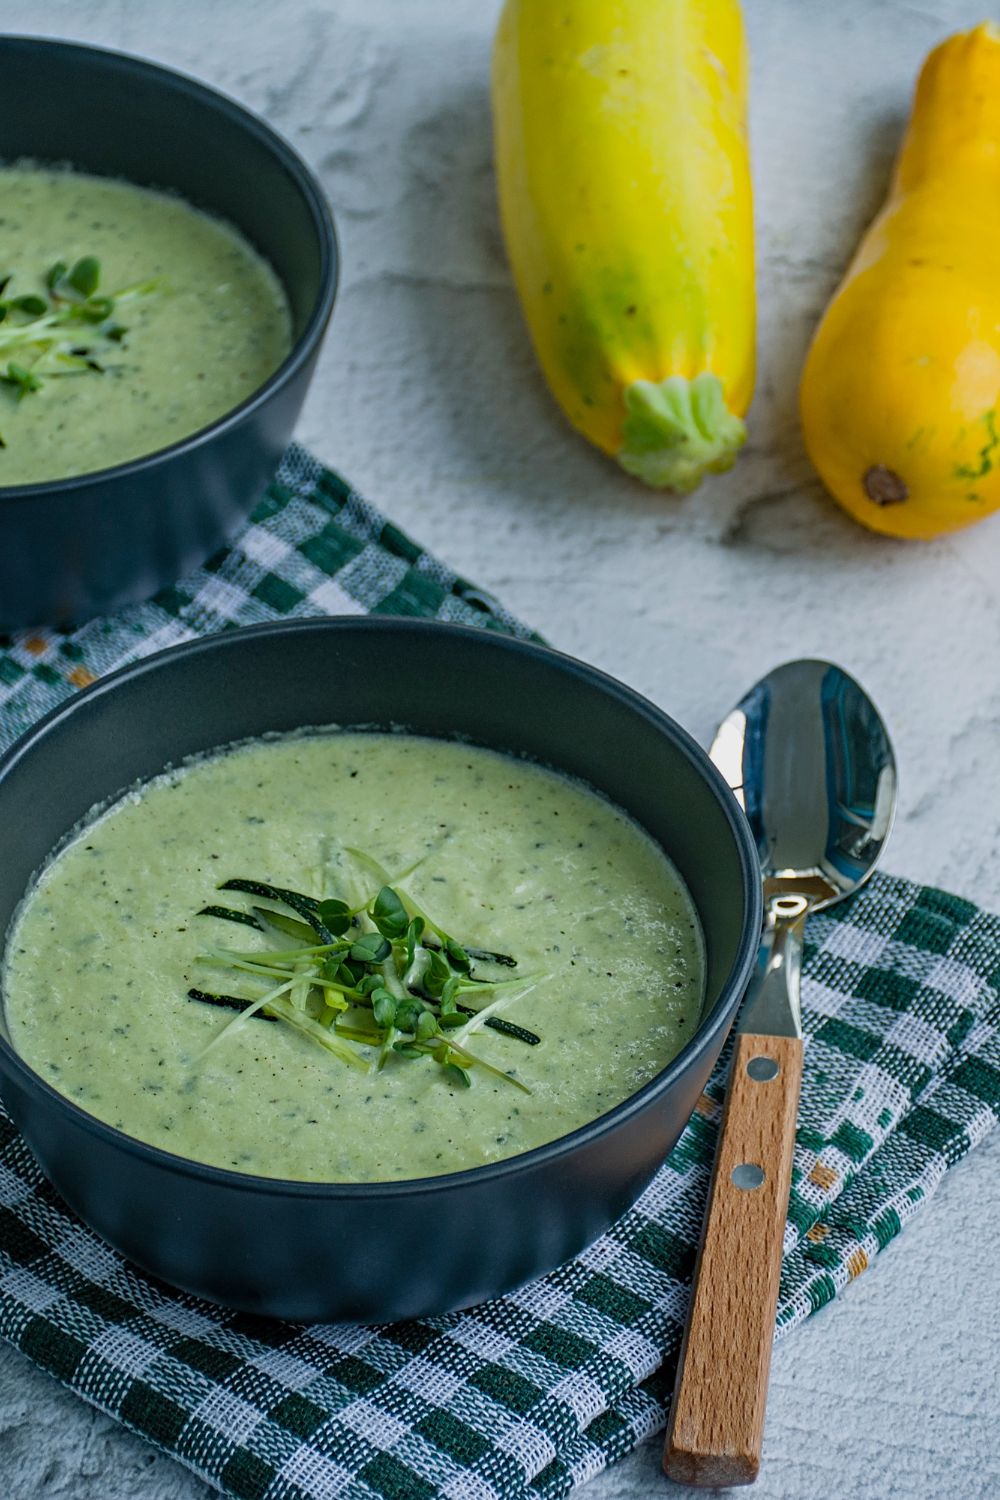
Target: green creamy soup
(501,854)
(209,331)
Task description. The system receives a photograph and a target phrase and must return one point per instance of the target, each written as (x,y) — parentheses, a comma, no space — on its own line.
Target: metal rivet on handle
(748,1176)
(763,1069)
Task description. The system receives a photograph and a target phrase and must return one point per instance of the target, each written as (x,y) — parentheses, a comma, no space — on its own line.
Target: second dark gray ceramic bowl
(78,547)
(397,1249)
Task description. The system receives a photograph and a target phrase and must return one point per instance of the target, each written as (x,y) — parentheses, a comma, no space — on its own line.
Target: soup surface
(508,857)
(209,325)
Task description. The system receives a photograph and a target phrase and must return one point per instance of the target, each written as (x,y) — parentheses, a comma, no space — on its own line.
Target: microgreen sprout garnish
(70,330)
(435,938)
(381,976)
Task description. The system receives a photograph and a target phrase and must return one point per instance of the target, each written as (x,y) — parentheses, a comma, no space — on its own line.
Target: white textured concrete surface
(428,399)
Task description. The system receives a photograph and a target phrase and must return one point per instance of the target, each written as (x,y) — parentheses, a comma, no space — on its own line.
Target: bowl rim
(308,184)
(718,1019)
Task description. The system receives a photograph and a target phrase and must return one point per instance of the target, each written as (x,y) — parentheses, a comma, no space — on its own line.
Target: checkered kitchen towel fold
(533,1393)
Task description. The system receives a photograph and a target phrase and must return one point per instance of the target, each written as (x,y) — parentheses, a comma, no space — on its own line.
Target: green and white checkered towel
(535,1392)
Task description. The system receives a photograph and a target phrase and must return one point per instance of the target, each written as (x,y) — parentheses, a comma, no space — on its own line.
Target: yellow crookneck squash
(901,389)
(625,196)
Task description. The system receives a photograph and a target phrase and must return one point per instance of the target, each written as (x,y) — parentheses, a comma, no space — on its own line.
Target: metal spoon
(810,762)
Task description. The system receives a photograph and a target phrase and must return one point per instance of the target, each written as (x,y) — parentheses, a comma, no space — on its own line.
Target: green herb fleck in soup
(354,957)
(128,320)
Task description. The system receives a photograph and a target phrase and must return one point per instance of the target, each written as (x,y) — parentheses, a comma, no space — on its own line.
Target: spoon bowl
(810,762)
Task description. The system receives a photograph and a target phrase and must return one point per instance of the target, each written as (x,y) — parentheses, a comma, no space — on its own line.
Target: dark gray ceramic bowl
(77,547)
(403,1248)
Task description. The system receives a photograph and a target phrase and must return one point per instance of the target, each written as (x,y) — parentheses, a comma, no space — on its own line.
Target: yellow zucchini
(625,196)
(900,394)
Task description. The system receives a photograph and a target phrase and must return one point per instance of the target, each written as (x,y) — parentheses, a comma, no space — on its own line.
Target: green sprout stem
(320,1035)
(238,1022)
(244,963)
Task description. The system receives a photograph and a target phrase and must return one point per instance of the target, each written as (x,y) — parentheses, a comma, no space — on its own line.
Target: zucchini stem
(678,430)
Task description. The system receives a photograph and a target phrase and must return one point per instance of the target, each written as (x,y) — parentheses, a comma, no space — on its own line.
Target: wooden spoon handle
(717,1421)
